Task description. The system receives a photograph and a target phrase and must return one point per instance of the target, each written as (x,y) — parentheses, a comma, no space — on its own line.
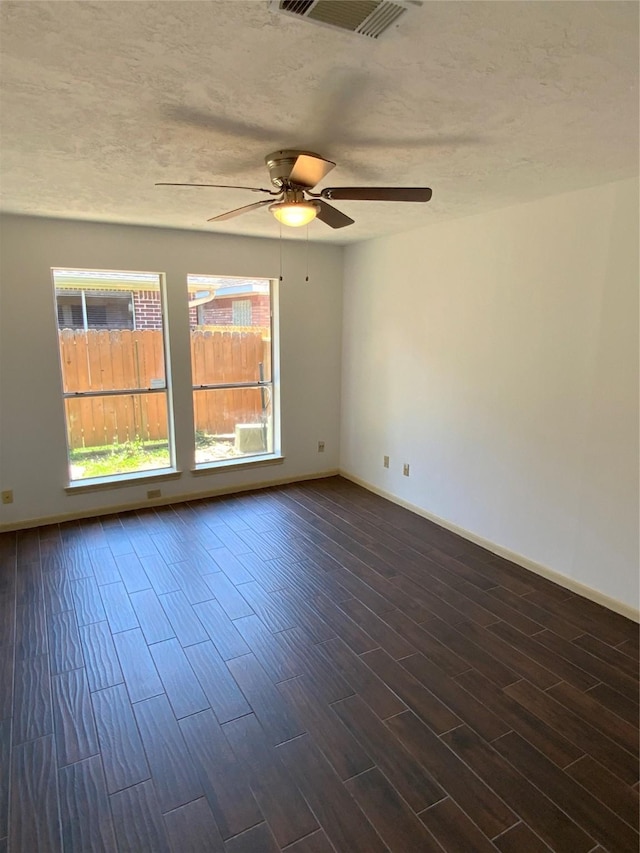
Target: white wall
(32,437)
(498,355)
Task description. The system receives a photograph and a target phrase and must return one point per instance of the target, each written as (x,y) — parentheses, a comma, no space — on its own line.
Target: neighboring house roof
(196,284)
(201,288)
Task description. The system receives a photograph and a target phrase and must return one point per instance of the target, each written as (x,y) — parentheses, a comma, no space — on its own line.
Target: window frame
(268,456)
(124,478)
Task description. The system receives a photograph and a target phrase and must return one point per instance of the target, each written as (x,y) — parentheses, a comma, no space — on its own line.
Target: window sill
(97,484)
(237,464)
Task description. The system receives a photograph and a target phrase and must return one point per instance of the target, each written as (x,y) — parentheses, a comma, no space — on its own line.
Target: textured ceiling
(489,103)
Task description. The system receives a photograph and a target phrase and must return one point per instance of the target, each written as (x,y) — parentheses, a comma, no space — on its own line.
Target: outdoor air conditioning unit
(364,17)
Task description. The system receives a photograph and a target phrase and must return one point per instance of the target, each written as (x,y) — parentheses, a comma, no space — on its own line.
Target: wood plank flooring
(305,669)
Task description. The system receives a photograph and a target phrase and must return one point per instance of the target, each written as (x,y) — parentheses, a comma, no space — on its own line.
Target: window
(241,312)
(114,372)
(232,345)
(85,309)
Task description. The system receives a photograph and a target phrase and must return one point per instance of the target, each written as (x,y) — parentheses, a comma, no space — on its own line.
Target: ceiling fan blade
(332,216)
(240,210)
(309,171)
(218,186)
(377,193)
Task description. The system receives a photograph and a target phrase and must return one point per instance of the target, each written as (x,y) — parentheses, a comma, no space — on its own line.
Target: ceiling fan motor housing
(280,165)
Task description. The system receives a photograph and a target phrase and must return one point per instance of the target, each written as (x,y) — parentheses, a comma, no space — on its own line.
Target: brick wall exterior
(219,312)
(147,310)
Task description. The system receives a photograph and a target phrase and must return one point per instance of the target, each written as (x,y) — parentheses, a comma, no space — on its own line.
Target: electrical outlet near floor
(7,496)
(385,461)
(321,447)
(405,469)
(154,493)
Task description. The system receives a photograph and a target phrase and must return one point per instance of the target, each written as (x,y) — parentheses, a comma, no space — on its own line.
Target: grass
(113,459)
(110,460)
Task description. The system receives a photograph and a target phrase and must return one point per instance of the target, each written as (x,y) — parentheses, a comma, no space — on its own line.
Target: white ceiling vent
(364,17)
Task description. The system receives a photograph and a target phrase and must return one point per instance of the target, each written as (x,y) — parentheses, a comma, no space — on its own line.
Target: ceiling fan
(294,174)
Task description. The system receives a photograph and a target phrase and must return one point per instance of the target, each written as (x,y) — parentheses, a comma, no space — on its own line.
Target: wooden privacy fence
(119,360)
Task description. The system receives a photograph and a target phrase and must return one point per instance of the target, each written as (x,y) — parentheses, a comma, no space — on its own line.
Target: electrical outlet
(7,497)
(321,447)
(385,461)
(405,469)
(154,493)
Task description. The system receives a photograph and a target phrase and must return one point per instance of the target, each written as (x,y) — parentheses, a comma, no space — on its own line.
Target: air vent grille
(365,17)
(296,7)
(347,14)
(381,19)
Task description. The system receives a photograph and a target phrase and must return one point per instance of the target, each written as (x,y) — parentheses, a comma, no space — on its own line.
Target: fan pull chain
(306,278)
(281,276)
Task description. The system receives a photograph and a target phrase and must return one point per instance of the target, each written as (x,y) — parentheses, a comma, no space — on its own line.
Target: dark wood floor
(306,669)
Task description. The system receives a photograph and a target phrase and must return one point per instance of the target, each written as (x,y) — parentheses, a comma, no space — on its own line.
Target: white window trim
(241,462)
(275,456)
(116,481)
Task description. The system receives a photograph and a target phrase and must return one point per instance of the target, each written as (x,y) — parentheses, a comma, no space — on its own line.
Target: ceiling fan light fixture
(294,213)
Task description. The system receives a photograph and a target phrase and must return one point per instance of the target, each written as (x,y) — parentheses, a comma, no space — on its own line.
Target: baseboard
(550,574)
(163,501)
(563,580)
